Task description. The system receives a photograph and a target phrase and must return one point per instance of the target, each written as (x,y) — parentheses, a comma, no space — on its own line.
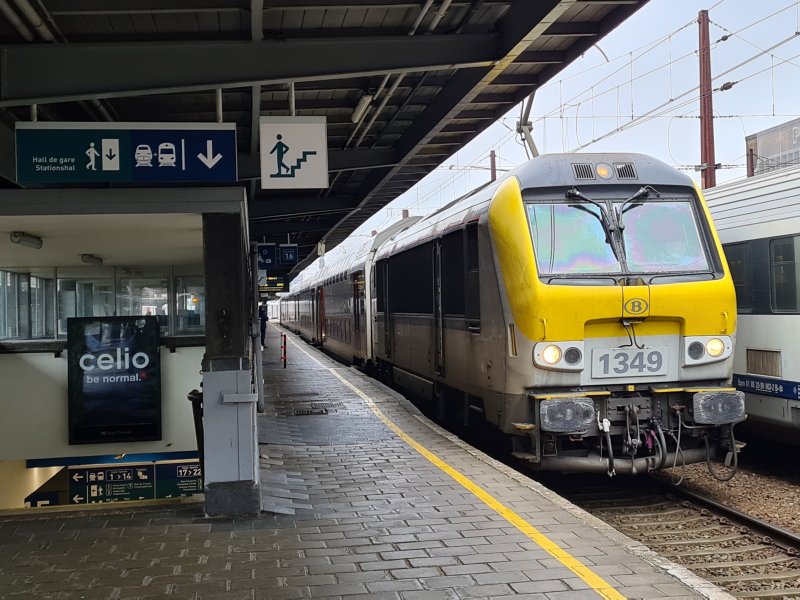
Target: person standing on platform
(263,317)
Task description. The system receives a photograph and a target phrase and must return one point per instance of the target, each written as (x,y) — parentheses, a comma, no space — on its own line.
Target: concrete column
(229,404)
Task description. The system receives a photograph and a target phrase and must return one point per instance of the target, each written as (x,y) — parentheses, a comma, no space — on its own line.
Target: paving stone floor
(367,515)
(355,512)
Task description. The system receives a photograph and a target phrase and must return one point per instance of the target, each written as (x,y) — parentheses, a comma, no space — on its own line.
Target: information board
(266,256)
(178,479)
(97,483)
(287,254)
(272,284)
(53,153)
(89,485)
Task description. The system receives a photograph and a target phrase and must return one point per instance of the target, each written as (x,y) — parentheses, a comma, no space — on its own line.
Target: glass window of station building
(35,303)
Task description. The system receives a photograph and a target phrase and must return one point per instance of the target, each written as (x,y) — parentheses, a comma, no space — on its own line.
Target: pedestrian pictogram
(279,149)
(92,153)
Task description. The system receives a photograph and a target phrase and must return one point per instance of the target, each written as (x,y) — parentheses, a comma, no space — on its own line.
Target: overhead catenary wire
(649,47)
(658,112)
(648,115)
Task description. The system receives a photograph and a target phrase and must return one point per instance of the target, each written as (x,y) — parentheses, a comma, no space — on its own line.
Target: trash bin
(196,398)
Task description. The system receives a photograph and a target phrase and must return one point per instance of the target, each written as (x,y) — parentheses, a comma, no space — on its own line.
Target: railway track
(743,555)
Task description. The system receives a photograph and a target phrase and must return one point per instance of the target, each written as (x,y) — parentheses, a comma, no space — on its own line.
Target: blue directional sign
(267,258)
(176,479)
(55,153)
(104,483)
(287,254)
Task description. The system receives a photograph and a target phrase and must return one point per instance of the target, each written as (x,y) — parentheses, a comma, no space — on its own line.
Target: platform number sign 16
(287,254)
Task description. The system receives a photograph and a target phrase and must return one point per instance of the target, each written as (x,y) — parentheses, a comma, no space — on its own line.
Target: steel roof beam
(40,73)
(338,160)
(311,4)
(128,7)
(521,25)
(540,58)
(573,29)
(609,23)
(296,205)
(278,227)
(123,7)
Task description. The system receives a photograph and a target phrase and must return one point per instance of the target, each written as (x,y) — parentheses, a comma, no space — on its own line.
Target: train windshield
(570,239)
(658,237)
(662,237)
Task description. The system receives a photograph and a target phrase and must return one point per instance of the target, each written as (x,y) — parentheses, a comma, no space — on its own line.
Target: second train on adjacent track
(759,225)
(581,304)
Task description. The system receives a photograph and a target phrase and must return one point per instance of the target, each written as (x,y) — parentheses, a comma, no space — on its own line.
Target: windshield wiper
(608,226)
(643,192)
(600,218)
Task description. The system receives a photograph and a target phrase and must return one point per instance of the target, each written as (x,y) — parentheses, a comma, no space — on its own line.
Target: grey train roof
(551,170)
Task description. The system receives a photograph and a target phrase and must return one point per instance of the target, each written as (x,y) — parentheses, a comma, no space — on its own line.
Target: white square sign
(294,152)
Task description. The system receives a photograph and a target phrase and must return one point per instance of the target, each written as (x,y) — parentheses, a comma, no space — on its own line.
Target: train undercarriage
(630,432)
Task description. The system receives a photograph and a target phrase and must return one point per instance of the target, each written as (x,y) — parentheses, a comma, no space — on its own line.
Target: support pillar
(229,404)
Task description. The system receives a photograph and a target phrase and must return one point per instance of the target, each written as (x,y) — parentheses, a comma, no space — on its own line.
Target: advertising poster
(114,374)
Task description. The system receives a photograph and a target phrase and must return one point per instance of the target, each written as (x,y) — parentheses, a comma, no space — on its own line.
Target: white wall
(33,407)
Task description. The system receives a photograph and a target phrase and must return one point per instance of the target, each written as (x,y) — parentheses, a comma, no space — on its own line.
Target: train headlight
(705,349)
(566,415)
(551,354)
(715,347)
(559,356)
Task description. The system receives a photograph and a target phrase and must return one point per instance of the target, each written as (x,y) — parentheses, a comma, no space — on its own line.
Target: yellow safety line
(592,579)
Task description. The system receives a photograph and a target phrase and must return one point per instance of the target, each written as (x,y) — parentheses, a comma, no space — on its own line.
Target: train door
(358,313)
(387,320)
(320,315)
(438,321)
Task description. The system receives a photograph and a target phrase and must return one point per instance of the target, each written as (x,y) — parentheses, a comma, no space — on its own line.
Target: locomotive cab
(613,273)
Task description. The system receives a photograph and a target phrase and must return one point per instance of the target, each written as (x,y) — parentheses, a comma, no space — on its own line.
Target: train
(758,219)
(581,306)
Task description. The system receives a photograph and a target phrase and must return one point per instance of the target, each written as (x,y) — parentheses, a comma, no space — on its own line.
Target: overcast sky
(648,66)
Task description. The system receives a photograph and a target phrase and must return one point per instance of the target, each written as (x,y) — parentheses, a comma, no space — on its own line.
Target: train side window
(411,281)
(380,274)
(453,274)
(472,297)
(783,273)
(740,262)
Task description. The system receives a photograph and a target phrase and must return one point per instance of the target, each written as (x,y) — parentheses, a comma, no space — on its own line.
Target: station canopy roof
(439,72)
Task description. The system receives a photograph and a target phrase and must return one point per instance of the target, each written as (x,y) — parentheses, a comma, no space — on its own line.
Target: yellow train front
(616,291)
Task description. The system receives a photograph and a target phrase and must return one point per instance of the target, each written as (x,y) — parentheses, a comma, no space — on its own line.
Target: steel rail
(781,537)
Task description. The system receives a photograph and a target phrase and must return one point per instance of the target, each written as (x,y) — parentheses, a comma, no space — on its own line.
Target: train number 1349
(628,362)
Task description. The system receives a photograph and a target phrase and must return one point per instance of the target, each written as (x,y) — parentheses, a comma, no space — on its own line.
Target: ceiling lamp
(91,259)
(361,108)
(26,239)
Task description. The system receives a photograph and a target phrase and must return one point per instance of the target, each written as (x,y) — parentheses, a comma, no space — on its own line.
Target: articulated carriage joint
(717,407)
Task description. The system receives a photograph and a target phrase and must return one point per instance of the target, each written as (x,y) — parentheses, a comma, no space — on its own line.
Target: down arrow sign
(209,159)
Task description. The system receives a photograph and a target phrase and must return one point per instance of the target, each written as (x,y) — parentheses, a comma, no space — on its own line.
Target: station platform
(364,497)
(373,500)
